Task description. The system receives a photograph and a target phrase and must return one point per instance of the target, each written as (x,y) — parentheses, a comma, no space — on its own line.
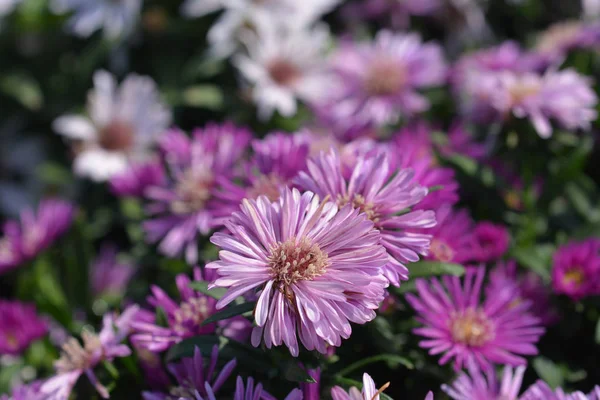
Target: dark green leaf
(536,258)
(292,371)
(431,268)
(202,287)
(161,317)
(203,96)
(597,336)
(548,371)
(229,312)
(392,359)
(186,347)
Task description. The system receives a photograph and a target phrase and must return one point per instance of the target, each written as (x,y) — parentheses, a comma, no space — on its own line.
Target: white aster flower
(116,17)
(123,123)
(7,6)
(283,65)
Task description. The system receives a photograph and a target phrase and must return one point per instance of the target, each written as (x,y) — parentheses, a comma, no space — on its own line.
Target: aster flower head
(20,325)
(122,125)
(460,141)
(250,391)
(381,193)
(491,241)
(191,203)
(576,269)
(137,178)
(369,391)
(194,380)
(115,18)
(463,327)
(379,82)
(30,391)
(77,359)
(541,391)
(317,268)
(283,65)
(108,275)
(35,232)
(484,385)
(562,37)
(185,319)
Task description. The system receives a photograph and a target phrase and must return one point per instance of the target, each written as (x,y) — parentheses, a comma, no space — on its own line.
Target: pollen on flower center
(471,327)
(266,185)
(574,277)
(441,251)
(283,72)
(194,191)
(522,90)
(191,314)
(359,202)
(77,357)
(116,136)
(384,78)
(293,261)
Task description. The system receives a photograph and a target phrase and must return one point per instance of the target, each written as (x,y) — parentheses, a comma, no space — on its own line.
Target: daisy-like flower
(137,178)
(491,241)
(77,360)
(192,202)
(563,96)
(378,82)
(541,391)
(122,125)
(369,391)
(108,275)
(384,195)
(195,381)
(185,319)
(35,232)
(466,329)
(20,325)
(251,392)
(284,65)
(576,269)
(484,385)
(115,18)
(317,268)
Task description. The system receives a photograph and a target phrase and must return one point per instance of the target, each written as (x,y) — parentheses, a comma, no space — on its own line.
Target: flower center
(194,190)
(574,277)
(441,251)
(191,314)
(116,136)
(283,72)
(358,201)
(522,90)
(12,341)
(266,185)
(384,78)
(77,357)
(7,254)
(471,327)
(513,199)
(293,261)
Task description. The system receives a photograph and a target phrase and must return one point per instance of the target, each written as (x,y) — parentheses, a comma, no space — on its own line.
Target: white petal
(75,127)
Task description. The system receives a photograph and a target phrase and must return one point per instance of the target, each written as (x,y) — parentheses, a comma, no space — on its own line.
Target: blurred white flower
(591,9)
(116,17)
(122,124)
(7,6)
(285,64)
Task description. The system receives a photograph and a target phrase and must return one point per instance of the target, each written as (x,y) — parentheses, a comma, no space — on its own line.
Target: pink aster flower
(185,319)
(251,392)
(460,141)
(190,204)
(562,37)
(379,82)
(30,391)
(484,385)
(20,325)
(317,268)
(369,391)
(194,380)
(541,391)
(466,329)
(381,193)
(77,360)
(35,232)
(491,241)
(108,275)
(134,181)
(576,269)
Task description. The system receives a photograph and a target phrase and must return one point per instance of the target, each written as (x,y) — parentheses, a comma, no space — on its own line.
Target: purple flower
(398,11)
(195,382)
(369,391)
(378,82)
(317,268)
(34,233)
(19,326)
(491,241)
(484,385)
(381,193)
(185,319)
(30,391)
(466,329)
(541,391)
(576,269)
(251,392)
(562,37)
(312,390)
(460,141)
(108,276)
(76,359)
(191,203)
(137,179)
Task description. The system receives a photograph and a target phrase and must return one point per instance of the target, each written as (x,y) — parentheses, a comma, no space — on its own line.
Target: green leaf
(536,258)
(186,347)
(202,287)
(203,96)
(548,371)
(392,359)
(229,312)
(431,268)
(466,164)
(292,371)
(597,336)
(161,317)
(24,89)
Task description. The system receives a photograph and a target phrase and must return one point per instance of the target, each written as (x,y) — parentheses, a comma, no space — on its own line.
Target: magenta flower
(541,391)
(457,323)
(576,269)
(317,268)
(562,37)
(35,232)
(312,390)
(381,193)
(20,325)
(484,385)
(453,238)
(195,381)
(491,241)
(379,82)
(460,141)
(251,392)
(109,276)
(137,178)
(398,11)
(184,319)
(30,391)
(77,360)
(369,391)
(191,203)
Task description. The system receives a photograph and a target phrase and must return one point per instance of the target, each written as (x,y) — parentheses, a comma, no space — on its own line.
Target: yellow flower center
(358,201)
(574,277)
(471,327)
(441,251)
(384,78)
